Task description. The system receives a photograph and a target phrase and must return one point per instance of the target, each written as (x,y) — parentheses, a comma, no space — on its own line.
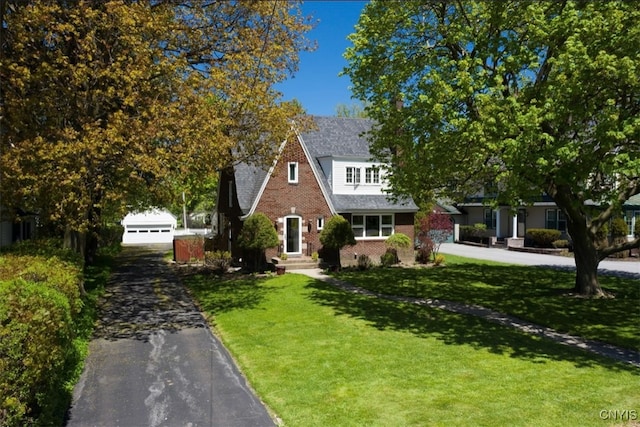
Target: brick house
(320,173)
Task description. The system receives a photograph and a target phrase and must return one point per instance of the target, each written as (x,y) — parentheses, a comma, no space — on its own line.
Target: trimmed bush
(438,259)
(36,347)
(543,237)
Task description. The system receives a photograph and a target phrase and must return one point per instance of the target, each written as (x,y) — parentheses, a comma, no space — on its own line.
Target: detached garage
(154,226)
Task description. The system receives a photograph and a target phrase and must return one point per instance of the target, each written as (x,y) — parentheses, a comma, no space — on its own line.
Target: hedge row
(39,303)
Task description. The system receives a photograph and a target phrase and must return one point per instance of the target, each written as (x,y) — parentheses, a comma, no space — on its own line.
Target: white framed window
(319,223)
(632,219)
(372,226)
(372,175)
(292,168)
(353,175)
(490,218)
(555,220)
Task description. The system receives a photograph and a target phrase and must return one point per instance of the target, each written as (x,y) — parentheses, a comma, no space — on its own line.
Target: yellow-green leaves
(108,104)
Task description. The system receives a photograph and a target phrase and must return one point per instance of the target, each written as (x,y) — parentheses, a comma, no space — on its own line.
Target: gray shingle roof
(334,136)
(249,179)
(338,136)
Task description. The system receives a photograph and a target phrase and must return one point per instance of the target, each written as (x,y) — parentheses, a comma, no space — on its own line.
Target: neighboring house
(149,227)
(16,226)
(542,213)
(318,174)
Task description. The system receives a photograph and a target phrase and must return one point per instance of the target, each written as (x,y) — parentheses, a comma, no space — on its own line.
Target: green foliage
(364,262)
(36,344)
(389,258)
(258,233)
(535,97)
(438,259)
(315,256)
(543,237)
(111,104)
(219,261)
(398,241)
(337,233)
(560,244)
(619,227)
(473,233)
(41,312)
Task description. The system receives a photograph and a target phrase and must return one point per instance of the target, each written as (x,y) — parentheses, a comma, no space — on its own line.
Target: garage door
(148,233)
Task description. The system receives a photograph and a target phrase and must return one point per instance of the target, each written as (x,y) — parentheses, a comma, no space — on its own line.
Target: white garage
(153,226)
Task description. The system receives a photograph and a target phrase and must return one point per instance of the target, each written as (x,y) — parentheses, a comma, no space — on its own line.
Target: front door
(293,235)
(522,222)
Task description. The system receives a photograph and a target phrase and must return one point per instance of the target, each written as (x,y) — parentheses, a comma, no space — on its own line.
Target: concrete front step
(304,263)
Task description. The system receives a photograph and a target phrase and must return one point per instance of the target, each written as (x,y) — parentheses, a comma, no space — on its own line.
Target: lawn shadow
(526,292)
(452,328)
(231,292)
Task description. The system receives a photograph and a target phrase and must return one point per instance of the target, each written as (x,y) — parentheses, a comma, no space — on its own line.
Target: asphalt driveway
(628,268)
(154,362)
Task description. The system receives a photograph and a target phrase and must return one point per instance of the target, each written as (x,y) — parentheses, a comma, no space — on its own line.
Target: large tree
(532,97)
(109,105)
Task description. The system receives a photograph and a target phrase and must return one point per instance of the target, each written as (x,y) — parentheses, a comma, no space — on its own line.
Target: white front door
(293,235)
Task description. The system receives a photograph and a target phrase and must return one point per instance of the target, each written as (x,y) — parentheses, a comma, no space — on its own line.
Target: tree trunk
(587,260)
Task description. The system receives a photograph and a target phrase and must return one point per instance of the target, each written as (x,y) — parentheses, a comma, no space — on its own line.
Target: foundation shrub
(389,258)
(219,261)
(543,237)
(364,262)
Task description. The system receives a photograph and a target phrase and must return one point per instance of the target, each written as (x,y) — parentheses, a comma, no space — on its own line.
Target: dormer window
(372,175)
(353,175)
(293,172)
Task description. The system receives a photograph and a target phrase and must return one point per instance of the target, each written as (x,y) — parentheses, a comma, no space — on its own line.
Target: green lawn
(319,356)
(535,294)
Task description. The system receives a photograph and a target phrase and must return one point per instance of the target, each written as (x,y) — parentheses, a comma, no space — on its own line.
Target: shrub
(284,256)
(219,261)
(389,258)
(560,244)
(35,348)
(315,256)
(364,262)
(619,228)
(438,259)
(543,237)
(398,241)
(257,234)
(474,233)
(424,251)
(336,234)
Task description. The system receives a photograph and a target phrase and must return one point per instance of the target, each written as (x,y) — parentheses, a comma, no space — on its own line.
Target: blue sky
(316,84)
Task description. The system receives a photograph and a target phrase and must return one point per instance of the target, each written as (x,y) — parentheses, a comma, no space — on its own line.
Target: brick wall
(303,199)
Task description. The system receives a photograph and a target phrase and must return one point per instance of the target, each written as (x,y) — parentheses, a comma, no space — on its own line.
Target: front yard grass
(539,295)
(320,356)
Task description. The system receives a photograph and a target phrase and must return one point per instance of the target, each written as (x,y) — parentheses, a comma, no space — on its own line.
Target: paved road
(628,268)
(154,361)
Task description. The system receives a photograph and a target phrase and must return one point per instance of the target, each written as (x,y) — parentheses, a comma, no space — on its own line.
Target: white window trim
(364,226)
(372,175)
(319,223)
(355,176)
(294,179)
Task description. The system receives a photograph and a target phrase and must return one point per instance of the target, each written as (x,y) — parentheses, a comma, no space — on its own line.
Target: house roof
(346,137)
(333,137)
(249,179)
(633,202)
